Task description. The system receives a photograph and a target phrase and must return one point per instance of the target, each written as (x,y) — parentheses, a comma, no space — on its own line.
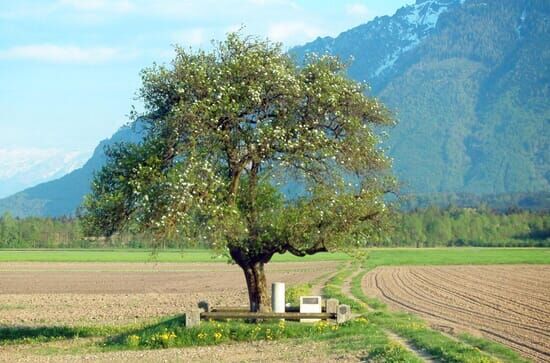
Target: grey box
(332,306)
(192,318)
(343,314)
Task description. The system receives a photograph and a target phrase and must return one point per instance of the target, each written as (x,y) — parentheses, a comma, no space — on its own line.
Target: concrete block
(343,314)
(332,306)
(310,304)
(192,318)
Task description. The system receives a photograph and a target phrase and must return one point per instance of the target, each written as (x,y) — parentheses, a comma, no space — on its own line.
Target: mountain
(468,80)
(469,84)
(61,197)
(22,168)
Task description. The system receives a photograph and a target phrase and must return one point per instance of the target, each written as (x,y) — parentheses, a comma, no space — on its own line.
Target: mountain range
(467,80)
(23,168)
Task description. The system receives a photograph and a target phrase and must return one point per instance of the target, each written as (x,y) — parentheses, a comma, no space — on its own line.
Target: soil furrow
(457,296)
(475,298)
(446,302)
(486,281)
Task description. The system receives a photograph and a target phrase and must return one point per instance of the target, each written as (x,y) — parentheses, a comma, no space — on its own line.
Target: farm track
(469,298)
(346,290)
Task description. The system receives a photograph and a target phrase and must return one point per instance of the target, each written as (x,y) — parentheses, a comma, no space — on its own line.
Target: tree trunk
(257,287)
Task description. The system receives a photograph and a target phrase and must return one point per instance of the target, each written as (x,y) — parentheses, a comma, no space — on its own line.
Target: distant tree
(221,130)
(9,231)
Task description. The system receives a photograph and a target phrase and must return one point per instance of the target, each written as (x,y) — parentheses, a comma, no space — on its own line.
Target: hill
(468,80)
(469,83)
(61,197)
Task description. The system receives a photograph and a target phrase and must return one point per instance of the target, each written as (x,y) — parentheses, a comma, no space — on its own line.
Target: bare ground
(509,304)
(33,294)
(260,351)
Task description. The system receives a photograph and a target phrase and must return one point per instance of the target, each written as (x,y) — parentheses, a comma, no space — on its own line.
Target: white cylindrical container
(278,297)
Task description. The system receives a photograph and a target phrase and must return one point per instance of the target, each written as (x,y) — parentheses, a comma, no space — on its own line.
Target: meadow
(376,256)
(124,304)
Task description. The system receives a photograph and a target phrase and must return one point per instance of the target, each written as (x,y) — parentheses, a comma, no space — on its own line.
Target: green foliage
(222,129)
(502,352)
(391,353)
(40,232)
(30,335)
(504,202)
(470,227)
(431,227)
(293,293)
(435,343)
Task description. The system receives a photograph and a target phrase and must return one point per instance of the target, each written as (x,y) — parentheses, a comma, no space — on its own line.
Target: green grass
(498,350)
(129,255)
(353,336)
(30,335)
(457,256)
(357,335)
(440,346)
(377,257)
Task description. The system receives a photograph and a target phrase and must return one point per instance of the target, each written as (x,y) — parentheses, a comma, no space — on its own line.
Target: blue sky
(69,69)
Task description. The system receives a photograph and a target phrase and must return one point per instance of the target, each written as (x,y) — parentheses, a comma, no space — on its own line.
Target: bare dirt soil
(261,351)
(508,304)
(33,294)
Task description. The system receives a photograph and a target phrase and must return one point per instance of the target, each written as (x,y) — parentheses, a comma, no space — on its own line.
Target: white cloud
(190,37)
(60,54)
(357,9)
(21,168)
(111,6)
(292,4)
(292,31)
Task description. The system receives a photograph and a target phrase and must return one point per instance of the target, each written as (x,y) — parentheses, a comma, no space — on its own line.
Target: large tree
(251,153)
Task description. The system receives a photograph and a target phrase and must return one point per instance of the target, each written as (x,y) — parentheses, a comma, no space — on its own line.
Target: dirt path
(261,351)
(317,288)
(346,290)
(509,304)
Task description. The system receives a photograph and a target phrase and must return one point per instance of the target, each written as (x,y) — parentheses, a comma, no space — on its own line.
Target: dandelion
(133,340)
(202,336)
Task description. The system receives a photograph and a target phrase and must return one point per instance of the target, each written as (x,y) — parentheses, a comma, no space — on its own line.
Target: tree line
(481,227)
(428,227)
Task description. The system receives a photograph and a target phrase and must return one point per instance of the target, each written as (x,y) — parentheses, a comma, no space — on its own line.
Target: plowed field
(508,304)
(34,294)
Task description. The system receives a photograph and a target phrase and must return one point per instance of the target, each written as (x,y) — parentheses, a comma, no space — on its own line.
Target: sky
(69,69)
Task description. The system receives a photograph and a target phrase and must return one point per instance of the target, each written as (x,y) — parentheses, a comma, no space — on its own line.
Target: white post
(278,297)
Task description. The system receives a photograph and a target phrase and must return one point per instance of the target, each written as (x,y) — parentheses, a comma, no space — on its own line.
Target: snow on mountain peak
(415,23)
(426,14)
(23,168)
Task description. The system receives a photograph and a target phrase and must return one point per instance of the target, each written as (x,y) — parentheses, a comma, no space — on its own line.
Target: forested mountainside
(468,81)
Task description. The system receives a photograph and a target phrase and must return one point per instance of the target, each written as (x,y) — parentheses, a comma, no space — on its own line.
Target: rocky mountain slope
(468,80)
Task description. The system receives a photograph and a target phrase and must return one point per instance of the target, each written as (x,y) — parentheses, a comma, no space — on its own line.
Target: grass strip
(31,335)
(406,325)
(420,336)
(385,350)
(412,328)
(498,350)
